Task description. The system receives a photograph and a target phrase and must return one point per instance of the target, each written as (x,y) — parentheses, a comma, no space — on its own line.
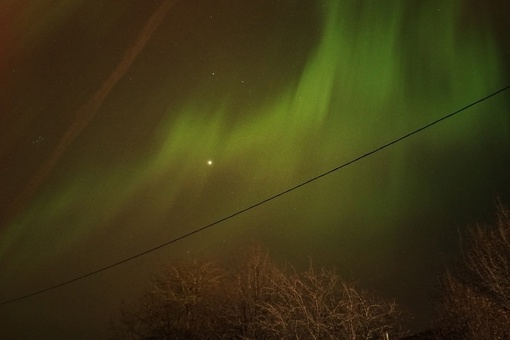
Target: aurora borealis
(197,109)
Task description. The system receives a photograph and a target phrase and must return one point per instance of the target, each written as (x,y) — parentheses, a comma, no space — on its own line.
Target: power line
(384,146)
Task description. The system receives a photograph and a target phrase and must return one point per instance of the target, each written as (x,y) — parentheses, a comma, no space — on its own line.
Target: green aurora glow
(376,71)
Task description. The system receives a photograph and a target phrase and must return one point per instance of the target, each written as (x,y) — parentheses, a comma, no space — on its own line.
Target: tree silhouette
(255,299)
(475,297)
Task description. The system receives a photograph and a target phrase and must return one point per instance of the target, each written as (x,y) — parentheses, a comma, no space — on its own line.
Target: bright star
(209,162)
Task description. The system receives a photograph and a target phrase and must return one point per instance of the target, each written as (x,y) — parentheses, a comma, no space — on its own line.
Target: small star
(38,140)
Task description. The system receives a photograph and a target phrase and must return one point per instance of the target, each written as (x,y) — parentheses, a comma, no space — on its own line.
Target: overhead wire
(271,198)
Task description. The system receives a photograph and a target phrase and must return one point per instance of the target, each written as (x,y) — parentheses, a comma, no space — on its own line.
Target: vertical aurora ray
(377,71)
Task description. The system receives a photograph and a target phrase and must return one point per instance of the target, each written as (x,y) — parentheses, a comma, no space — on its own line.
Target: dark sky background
(125,124)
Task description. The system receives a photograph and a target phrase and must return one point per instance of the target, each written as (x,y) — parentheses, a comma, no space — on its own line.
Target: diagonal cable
(239,212)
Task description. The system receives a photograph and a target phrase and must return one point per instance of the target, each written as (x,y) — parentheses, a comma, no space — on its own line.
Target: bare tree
(251,274)
(256,299)
(181,304)
(475,299)
(319,305)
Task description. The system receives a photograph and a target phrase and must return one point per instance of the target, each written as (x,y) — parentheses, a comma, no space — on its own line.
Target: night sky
(126,124)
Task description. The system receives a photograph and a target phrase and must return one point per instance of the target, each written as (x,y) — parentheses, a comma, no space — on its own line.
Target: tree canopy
(256,299)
